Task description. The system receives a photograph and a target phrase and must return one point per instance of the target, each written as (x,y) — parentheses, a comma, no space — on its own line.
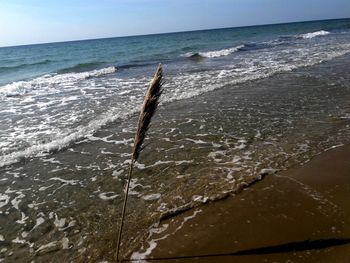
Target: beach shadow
(283,248)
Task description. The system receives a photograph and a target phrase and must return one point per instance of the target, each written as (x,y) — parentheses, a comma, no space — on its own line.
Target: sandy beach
(238,103)
(299,215)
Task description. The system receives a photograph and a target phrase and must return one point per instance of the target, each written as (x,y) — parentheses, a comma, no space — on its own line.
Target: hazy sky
(38,21)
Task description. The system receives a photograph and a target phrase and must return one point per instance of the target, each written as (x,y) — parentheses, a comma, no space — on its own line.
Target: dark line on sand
(283,248)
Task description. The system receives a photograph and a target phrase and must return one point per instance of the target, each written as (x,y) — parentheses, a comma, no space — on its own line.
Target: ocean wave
(178,87)
(253,46)
(65,141)
(24,65)
(225,77)
(215,53)
(175,92)
(23,87)
(194,56)
(314,34)
(81,67)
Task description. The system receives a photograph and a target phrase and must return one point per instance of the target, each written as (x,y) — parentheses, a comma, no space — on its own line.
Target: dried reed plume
(149,107)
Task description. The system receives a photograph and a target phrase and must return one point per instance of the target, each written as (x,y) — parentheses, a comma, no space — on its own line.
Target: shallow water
(224,122)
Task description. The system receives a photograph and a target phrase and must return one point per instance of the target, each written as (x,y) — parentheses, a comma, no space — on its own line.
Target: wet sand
(299,215)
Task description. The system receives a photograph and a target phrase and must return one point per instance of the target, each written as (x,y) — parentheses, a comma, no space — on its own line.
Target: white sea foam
(46,246)
(65,243)
(216,53)
(152,242)
(108,196)
(209,81)
(15,202)
(140,256)
(23,220)
(334,147)
(117,173)
(43,188)
(64,141)
(216,154)
(196,141)
(315,34)
(134,185)
(19,241)
(4,200)
(221,53)
(70,224)
(59,131)
(39,221)
(23,87)
(142,166)
(59,223)
(200,199)
(65,182)
(151,197)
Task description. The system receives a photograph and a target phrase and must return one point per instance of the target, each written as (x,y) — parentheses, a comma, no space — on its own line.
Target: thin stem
(124,208)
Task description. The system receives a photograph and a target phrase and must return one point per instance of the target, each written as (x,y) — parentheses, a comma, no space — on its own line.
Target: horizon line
(173,32)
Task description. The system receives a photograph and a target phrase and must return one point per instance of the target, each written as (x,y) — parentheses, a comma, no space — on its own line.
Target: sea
(238,104)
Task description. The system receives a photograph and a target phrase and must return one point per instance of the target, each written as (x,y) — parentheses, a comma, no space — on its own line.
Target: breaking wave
(314,34)
(22,87)
(64,140)
(251,46)
(175,92)
(215,53)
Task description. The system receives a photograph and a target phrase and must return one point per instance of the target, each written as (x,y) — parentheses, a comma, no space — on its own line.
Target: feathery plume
(149,107)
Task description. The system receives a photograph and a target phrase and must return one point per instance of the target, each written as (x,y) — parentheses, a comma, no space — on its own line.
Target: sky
(42,21)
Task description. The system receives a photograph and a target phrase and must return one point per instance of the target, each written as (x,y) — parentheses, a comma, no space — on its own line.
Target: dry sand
(300,215)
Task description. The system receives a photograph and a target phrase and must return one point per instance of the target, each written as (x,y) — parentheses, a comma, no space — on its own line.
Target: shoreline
(225,121)
(300,215)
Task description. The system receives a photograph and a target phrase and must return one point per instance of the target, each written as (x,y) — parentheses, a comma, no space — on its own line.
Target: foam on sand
(4,200)
(108,196)
(156,231)
(151,197)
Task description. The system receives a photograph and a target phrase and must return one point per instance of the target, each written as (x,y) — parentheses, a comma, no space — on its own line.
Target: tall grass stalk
(149,107)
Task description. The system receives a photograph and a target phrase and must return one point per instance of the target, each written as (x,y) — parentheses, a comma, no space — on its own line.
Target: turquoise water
(238,103)
(66,91)
(27,62)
